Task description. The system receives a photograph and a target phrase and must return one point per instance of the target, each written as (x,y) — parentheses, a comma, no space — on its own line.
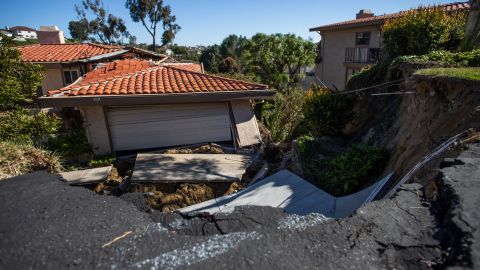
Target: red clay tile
(63,52)
(140,77)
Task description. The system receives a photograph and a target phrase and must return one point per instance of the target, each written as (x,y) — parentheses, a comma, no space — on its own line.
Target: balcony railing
(363,55)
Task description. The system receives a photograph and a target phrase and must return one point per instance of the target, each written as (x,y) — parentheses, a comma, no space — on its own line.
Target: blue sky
(206,22)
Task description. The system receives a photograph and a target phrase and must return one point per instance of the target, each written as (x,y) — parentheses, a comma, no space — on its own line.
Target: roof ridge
(110,78)
(215,76)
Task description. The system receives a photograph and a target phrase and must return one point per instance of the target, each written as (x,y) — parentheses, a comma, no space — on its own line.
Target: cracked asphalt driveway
(47,224)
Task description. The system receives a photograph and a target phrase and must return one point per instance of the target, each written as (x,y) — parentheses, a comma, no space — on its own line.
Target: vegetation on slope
(472,74)
(341,173)
(21,158)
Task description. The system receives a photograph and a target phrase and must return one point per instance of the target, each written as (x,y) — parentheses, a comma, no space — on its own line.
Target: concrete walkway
(88,176)
(292,193)
(189,168)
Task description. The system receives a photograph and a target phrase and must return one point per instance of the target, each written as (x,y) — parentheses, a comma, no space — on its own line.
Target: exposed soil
(204,149)
(170,197)
(411,126)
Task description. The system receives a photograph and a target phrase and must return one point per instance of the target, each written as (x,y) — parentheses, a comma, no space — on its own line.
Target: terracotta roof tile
(187,66)
(380,19)
(67,52)
(128,77)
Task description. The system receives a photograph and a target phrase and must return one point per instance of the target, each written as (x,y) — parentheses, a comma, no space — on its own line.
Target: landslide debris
(47,224)
(169,197)
(44,223)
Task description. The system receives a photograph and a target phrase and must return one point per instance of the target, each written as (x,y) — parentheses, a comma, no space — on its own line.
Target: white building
(23,32)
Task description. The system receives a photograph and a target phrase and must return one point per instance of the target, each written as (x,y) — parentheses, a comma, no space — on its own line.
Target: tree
(232,46)
(152,12)
(423,30)
(228,65)
(79,29)
(278,58)
(103,27)
(472,30)
(211,58)
(18,80)
(179,50)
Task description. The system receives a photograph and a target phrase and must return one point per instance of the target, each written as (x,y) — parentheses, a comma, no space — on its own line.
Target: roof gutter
(150,99)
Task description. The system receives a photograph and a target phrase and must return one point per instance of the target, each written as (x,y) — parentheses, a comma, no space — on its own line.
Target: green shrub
(70,145)
(472,74)
(370,75)
(380,72)
(44,130)
(20,158)
(354,169)
(101,161)
(18,80)
(326,113)
(465,59)
(344,173)
(21,126)
(423,30)
(283,115)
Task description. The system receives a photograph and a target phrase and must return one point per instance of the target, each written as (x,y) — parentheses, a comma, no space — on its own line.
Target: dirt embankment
(410,126)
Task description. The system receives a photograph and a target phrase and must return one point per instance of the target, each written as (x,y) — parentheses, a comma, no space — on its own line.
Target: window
(362,38)
(70,76)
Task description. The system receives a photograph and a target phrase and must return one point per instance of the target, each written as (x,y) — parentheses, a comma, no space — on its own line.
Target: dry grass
(17,159)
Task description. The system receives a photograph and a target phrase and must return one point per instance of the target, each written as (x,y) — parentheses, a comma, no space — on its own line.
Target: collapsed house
(137,104)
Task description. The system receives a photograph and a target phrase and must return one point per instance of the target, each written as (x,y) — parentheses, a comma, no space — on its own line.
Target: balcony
(363,55)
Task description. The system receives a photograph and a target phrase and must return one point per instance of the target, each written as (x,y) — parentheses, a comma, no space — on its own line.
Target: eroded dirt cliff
(410,126)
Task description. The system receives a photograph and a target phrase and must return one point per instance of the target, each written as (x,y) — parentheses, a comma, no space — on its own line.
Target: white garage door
(143,127)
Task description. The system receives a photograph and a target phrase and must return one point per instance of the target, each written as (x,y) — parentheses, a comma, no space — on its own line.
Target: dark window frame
(362,38)
(70,76)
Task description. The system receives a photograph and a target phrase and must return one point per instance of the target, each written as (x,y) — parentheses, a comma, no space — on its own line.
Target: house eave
(83,60)
(345,26)
(150,99)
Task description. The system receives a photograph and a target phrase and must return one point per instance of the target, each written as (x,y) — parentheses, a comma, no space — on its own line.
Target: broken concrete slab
(88,176)
(246,123)
(292,193)
(189,168)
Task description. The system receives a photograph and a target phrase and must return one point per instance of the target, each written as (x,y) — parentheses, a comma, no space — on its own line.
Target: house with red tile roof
(64,63)
(348,46)
(136,104)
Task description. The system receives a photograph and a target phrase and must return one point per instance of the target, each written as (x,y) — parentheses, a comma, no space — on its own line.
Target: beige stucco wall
(97,129)
(53,79)
(332,69)
(53,76)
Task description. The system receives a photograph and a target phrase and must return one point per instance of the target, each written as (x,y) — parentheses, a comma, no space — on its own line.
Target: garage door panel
(168,125)
(139,120)
(127,115)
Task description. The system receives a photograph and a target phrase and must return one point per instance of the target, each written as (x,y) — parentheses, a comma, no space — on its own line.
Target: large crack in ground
(47,224)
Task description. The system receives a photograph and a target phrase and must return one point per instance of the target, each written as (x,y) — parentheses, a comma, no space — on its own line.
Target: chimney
(50,35)
(365,13)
